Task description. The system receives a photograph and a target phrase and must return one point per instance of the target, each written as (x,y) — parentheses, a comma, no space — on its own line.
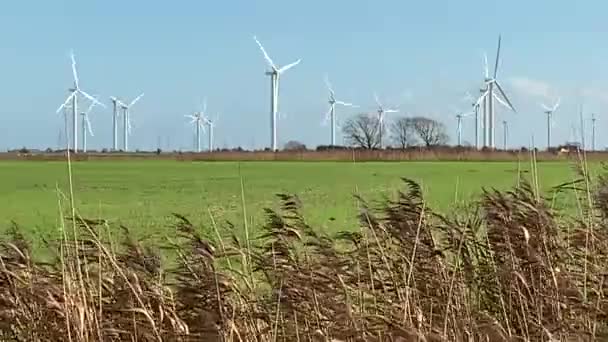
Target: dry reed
(510,268)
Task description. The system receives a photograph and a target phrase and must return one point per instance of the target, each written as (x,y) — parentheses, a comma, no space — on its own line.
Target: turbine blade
(377,100)
(129,125)
(86,119)
(347,104)
(485,61)
(66,102)
(268,60)
(497,98)
(91,98)
(136,99)
(545,107)
(468,96)
(559,100)
(504,96)
(497,58)
(90,108)
(74,72)
(481,98)
(328,85)
(289,66)
(327,117)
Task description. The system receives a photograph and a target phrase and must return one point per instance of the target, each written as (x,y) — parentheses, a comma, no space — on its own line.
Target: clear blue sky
(421,55)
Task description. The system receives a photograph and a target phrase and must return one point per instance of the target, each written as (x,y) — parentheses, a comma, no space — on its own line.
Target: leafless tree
(403,132)
(362,131)
(431,132)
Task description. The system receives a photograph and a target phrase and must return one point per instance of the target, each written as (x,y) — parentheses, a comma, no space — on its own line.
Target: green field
(143,194)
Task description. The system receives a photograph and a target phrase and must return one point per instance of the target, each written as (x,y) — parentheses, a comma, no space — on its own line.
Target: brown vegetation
(337,154)
(509,268)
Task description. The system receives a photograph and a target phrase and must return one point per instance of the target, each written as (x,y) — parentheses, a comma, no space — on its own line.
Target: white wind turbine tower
(86,126)
(488,98)
(126,111)
(331,113)
(549,111)
(74,99)
(274,74)
(459,117)
(381,111)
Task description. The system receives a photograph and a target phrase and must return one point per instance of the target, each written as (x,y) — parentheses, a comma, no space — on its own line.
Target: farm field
(143,194)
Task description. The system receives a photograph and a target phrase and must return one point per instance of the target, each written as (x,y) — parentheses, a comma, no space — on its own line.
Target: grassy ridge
(509,267)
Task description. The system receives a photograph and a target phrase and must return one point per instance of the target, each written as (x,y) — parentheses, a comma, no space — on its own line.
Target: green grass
(143,194)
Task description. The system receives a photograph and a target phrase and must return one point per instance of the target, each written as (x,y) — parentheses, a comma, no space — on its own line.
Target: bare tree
(403,132)
(431,132)
(362,131)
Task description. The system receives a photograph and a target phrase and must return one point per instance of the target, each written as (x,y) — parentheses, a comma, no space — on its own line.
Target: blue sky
(420,55)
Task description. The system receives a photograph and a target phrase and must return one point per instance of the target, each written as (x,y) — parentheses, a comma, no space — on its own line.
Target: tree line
(367,131)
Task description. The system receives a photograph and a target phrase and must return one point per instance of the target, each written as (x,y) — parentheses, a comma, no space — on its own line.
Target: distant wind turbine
(274,74)
(126,112)
(475,104)
(331,113)
(549,111)
(73,97)
(381,112)
(459,118)
(116,103)
(211,125)
(488,97)
(198,121)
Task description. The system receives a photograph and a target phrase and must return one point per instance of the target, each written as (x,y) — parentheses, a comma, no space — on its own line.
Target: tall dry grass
(506,268)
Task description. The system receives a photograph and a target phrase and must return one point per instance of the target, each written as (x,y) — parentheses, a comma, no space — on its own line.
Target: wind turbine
(126,112)
(488,98)
(469,97)
(459,117)
(199,121)
(86,126)
(274,74)
(115,114)
(331,113)
(73,97)
(549,111)
(211,124)
(381,111)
